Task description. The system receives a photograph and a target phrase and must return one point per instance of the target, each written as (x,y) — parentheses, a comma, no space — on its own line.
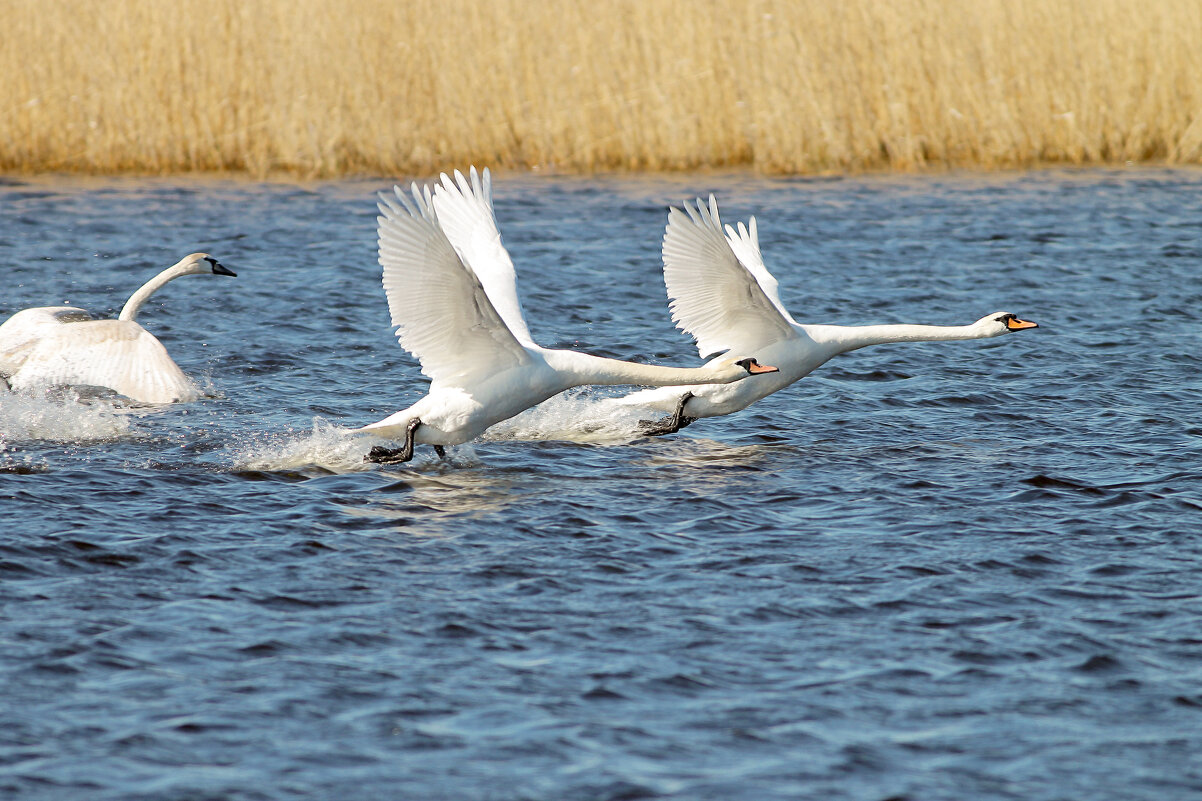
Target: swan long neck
(847,338)
(599,370)
(132,306)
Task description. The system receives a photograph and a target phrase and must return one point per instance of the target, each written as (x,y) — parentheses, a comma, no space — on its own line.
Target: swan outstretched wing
(718,288)
(23,330)
(466,215)
(118,354)
(442,313)
(745,242)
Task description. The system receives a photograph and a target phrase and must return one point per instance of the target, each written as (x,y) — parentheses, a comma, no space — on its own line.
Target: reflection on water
(419,498)
(702,453)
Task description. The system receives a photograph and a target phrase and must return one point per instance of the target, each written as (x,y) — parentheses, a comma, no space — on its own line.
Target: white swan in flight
(63,345)
(722,294)
(452,293)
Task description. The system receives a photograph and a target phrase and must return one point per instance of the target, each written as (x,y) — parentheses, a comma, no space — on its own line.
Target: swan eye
(1005,318)
(746,364)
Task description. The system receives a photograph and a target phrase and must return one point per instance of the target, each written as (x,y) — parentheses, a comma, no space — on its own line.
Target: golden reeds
(331,87)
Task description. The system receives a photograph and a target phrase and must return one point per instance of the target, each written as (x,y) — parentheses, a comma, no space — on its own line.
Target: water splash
(326,446)
(574,416)
(578,415)
(64,416)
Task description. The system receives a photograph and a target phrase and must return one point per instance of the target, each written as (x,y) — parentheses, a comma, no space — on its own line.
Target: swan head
(192,264)
(753,367)
(738,369)
(202,264)
(998,323)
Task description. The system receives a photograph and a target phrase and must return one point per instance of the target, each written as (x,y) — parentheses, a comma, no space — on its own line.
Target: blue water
(937,571)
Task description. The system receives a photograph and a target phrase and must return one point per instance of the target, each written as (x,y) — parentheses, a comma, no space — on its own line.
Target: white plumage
(721,293)
(63,345)
(452,294)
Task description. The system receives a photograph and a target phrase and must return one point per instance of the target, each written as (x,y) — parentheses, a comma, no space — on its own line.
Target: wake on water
(574,416)
(325,446)
(578,415)
(77,417)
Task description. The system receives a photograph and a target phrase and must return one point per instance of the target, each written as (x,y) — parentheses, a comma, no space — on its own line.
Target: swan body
(64,345)
(722,294)
(452,294)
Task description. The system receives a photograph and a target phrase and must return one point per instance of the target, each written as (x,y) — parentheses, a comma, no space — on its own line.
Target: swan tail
(394,426)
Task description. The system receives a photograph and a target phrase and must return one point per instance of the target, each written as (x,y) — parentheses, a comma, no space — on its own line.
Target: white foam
(65,416)
(578,415)
(325,446)
(574,416)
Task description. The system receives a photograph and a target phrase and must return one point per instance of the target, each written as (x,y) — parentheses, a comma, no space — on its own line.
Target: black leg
(441,451)
(395,455)
(673,424)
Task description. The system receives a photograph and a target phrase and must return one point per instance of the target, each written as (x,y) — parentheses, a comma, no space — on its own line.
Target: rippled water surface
(936,571)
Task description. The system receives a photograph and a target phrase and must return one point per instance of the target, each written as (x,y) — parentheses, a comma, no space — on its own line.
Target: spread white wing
(443,315)
(118,354)
(745,242)
(719,290)
(23,330)
(466,216)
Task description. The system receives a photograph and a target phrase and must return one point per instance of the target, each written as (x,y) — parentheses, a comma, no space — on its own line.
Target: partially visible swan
(57,345)
(722,294)
(452,293)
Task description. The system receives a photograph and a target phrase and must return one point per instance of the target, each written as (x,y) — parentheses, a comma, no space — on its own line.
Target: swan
(452,294)
(722,294)
(56,345)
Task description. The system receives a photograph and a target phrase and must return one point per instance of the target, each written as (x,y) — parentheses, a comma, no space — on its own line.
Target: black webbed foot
(657,428)
(382,455)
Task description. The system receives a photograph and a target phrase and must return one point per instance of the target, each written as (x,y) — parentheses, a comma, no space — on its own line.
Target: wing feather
(21,332)
(465,212)
(745,242)
(118,354)
(714,296)
(443,315)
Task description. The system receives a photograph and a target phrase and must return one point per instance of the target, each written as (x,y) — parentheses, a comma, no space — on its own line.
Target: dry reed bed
(327,87)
